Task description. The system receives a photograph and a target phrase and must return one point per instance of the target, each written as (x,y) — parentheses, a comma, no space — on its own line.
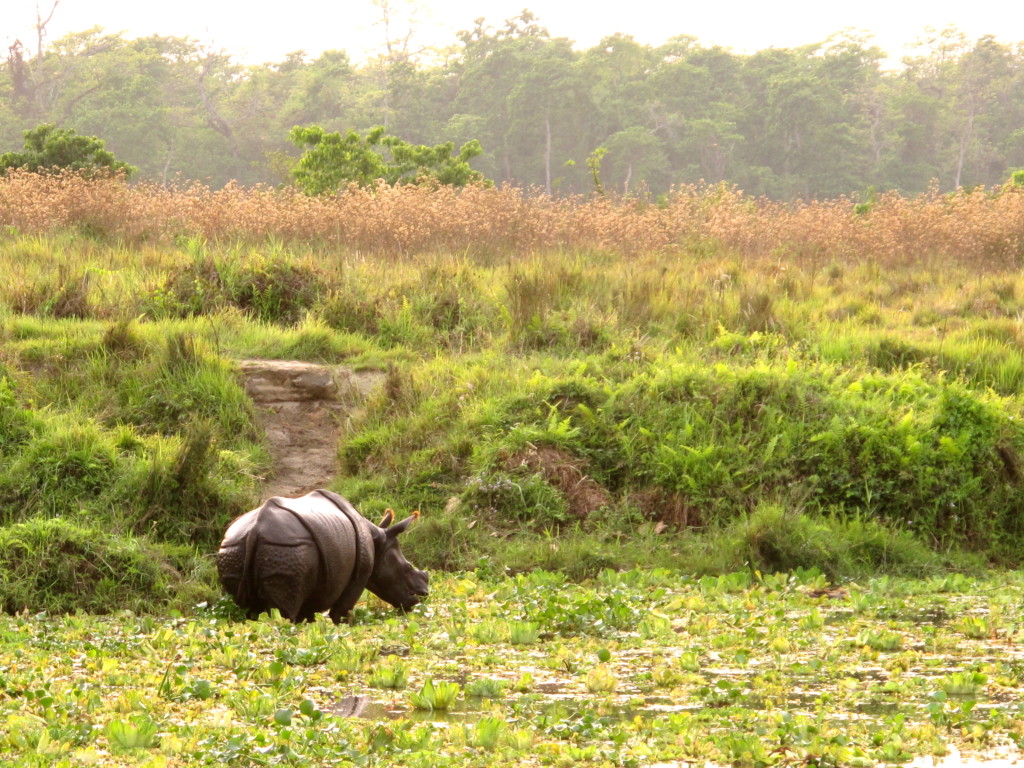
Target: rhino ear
(388,519)
(402,526)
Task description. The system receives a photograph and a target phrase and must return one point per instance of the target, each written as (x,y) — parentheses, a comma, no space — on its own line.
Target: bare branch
(41,27)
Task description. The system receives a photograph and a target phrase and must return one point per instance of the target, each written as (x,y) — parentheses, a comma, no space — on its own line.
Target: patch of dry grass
(983,228)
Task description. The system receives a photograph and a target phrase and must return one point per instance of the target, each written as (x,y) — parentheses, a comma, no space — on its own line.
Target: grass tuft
(58,566)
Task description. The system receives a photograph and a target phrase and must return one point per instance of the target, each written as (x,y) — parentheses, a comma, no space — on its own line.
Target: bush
(775,539)
(524,437)
(49,149)
(270,291)
(183,382)
(66,465)
(331,161)
(511,499)
(57,566)
(182,482)
(187,491)
(17,424)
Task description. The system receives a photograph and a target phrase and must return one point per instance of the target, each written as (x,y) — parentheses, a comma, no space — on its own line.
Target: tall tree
(332,160)
(802,105)
(49,149)
(695,106)
(819,120)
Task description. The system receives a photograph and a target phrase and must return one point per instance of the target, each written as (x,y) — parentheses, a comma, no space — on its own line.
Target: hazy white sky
(261,30)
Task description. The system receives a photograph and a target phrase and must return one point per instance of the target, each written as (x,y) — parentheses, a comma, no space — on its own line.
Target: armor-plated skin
(315,553)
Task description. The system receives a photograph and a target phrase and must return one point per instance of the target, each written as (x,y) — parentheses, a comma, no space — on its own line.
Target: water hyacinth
(719,689)
(435,696)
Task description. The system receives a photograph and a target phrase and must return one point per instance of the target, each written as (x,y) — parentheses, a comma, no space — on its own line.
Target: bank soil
(303,408)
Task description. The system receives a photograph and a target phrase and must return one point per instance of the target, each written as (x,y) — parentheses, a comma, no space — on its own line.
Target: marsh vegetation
(630,668)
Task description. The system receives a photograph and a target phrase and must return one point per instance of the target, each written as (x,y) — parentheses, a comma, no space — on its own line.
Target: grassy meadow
(696,393)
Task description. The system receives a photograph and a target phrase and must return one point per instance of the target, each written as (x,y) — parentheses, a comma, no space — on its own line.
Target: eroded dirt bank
(303,408)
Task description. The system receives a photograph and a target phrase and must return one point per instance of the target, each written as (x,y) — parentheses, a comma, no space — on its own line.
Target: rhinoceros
(315,553)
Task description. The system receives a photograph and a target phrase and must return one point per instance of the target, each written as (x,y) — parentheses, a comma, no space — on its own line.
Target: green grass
(687,509)
(58,566)
(567,411)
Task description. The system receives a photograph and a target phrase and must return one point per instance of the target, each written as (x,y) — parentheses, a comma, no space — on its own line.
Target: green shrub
(185,490)
(60,294)
(50,149)
(891,354)
(277,292)
(183,382)
(181,489)
(350,309)
(58,566)
(67,465)
(182,485)
(521,497)
(670,433)
(268,290)
(774,539)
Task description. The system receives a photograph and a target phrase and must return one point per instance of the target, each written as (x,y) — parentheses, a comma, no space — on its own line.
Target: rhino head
(394,579)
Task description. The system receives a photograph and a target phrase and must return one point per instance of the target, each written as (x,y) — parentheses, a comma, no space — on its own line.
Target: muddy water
(650,708)
(469,709)
(957,760)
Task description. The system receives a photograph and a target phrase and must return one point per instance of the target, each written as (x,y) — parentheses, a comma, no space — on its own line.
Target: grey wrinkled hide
(312,554)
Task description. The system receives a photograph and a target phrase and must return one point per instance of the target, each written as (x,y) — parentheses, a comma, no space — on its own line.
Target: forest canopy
(819,120)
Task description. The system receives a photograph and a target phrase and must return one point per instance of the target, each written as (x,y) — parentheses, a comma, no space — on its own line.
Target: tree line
(819,120)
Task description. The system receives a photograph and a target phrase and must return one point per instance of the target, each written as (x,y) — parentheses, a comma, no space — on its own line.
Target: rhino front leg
(342,610)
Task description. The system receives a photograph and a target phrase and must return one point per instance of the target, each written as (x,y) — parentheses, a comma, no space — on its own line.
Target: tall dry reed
(982,228)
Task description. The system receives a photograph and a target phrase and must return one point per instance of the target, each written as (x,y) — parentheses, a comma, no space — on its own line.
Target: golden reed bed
(983,228)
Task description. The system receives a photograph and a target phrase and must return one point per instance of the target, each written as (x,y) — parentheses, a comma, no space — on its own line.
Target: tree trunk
(547,153)
(41,29)
(965,137)
(167,165)
(213,119)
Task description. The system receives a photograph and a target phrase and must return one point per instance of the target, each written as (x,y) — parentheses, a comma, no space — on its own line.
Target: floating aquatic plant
(487,731)
(523,633)
(486,688)
(880,641)
(129,736)
(435,696)
(975,627)
(963,684)
(390,675)
(601,680)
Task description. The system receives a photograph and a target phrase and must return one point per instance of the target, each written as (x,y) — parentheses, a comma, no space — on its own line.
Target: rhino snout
(418,589)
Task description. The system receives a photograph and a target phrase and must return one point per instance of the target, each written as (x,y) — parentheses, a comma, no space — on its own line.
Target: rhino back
(301,556)
(336,538)
(297,555)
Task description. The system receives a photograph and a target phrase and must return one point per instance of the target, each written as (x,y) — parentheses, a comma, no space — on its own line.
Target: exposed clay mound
(303,409)
(565,472)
